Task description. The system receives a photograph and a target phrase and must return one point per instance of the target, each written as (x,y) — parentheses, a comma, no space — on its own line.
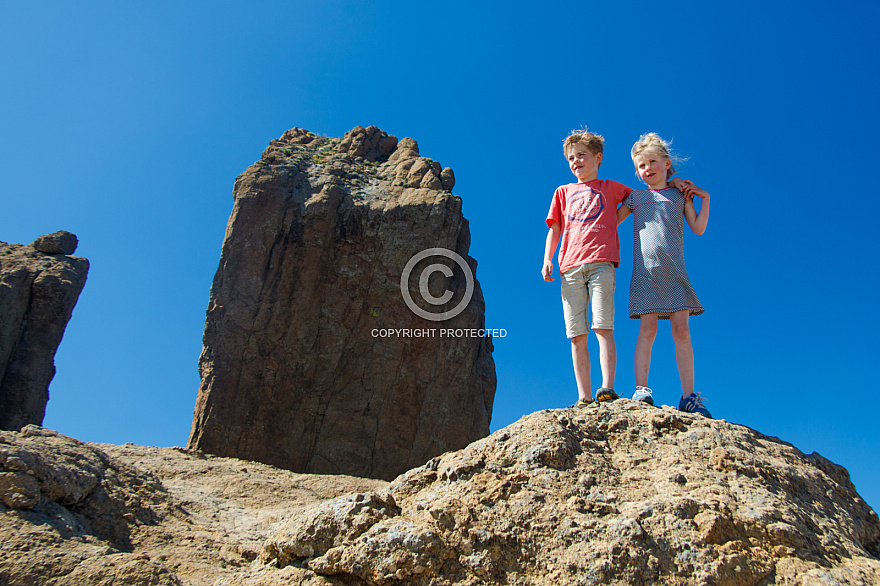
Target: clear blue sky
(127,123)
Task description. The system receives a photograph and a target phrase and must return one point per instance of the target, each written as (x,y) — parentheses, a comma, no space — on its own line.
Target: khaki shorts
(591,282)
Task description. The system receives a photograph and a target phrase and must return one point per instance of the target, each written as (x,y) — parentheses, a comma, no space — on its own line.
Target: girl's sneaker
(606,394)
(694,404)
(643,394)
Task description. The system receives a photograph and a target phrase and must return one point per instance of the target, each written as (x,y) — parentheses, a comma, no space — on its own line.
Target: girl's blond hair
(652,142)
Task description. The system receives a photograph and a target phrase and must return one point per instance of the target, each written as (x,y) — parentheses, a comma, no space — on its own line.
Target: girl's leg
(647,334)
(580,356)
(684,351)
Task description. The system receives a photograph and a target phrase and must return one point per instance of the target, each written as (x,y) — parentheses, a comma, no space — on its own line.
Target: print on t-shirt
(585,205)
(587,216)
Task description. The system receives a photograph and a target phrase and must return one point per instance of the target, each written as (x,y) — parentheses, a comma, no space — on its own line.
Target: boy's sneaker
(694,404)
(643,394)
(582,403)
(606,394)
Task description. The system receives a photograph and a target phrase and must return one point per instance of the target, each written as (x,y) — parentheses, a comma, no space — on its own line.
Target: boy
(583,216)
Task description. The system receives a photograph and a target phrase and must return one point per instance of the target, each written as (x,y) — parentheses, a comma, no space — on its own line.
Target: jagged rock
(369,143)
(38,291)
(56,243)
(406,149)
(619,493)
(447,178)
(66,503)
(75,514)
(322,527)
(298,367)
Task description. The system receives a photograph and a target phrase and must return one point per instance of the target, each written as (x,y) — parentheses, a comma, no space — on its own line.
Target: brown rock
(37,294)
(57,243)
(589,496)
(310,359)
(19,491)
(103,515)
(417,171)
(447,177)
(406,149)
(600,495)
(74,490)
(370,143)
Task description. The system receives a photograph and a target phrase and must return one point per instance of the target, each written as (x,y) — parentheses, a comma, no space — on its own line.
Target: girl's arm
(697,221)
(623,213)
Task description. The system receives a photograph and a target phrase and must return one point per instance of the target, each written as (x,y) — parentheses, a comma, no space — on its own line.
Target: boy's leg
(644,344)
(575,300)
(607,357)
(601,286)
(580,357)
(684,351)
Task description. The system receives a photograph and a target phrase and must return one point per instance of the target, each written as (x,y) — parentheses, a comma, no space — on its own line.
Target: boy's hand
(677,183)
(547,270)
(689,189)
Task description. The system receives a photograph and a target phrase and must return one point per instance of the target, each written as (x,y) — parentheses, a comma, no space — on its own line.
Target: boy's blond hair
(594,142)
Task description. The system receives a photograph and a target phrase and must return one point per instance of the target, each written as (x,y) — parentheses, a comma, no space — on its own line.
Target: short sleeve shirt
(587,215)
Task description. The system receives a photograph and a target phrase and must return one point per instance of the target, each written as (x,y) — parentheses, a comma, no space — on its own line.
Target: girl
(660,288)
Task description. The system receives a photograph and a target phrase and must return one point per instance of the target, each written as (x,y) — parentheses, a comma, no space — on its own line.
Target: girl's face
(651,167)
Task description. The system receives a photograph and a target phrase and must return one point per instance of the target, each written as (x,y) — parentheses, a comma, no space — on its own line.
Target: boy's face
(583,163)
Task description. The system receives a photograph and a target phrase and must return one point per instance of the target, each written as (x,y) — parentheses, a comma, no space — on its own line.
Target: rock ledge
(618,493)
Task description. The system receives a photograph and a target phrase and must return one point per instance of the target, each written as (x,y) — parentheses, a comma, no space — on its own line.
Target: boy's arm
(697,221)
(549,249)
(623,213)
(678,183)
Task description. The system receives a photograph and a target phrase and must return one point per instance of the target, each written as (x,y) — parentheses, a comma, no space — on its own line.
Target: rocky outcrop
(75,514)
(618,493)
(67,506)
(315,358)
(39,286)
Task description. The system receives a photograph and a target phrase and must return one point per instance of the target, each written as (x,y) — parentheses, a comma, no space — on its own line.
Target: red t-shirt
(587,214)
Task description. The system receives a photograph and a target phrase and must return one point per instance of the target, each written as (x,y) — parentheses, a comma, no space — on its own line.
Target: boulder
(77,514)
(67,506)
(39,286)
(56,243)
(328,347)
(619,493)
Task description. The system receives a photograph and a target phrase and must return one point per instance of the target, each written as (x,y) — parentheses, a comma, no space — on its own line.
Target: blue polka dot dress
(660,282)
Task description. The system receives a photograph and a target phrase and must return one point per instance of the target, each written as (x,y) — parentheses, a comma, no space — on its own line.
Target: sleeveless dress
(660,282)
